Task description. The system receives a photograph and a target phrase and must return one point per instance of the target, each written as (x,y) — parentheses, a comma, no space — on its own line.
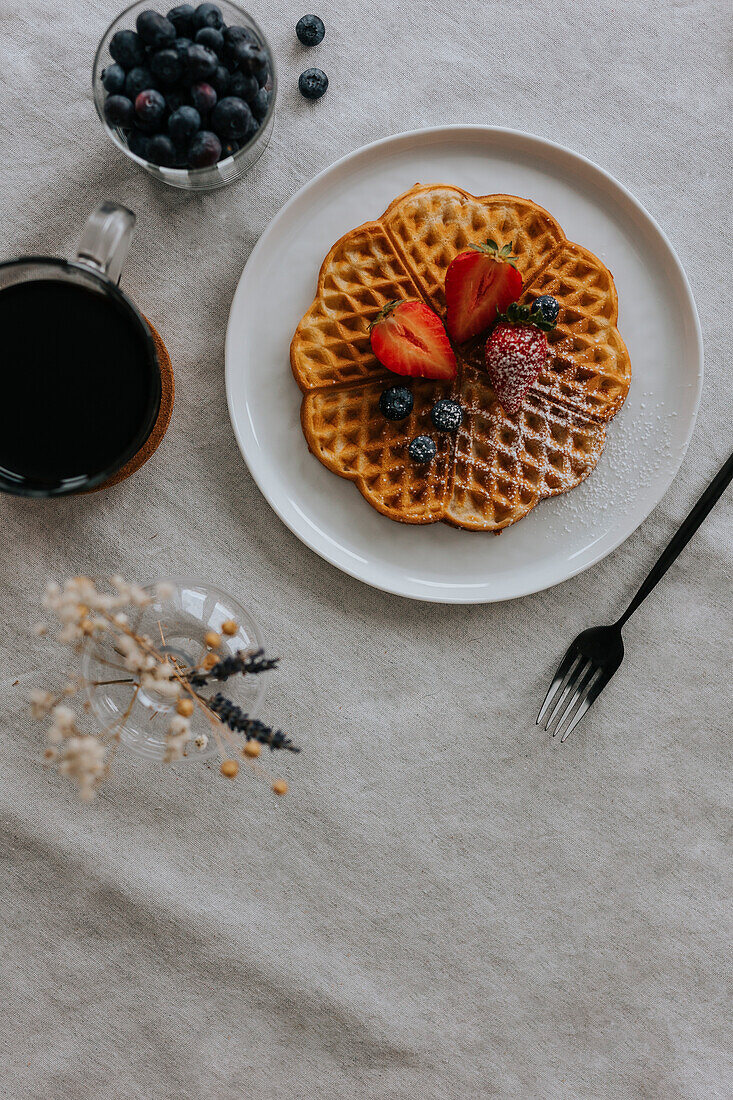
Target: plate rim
(491,133)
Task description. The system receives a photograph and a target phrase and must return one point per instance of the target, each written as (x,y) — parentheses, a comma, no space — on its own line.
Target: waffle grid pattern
(497,468)
(589,367)
(431,225)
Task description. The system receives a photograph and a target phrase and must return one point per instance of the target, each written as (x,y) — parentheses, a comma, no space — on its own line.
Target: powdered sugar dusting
(638,451)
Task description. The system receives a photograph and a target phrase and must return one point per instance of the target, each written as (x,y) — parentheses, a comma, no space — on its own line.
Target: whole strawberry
(516,352)
(479,284)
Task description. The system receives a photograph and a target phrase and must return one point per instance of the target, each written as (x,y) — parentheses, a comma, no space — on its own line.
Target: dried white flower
(201,741)
(179,725)
(42,703)
(169,689)
(53,591)
(174,747)
(64,718)
(138,596)
(69,634)
(83,759)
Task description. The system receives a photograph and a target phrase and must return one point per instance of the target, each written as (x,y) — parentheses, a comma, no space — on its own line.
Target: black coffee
(79,384)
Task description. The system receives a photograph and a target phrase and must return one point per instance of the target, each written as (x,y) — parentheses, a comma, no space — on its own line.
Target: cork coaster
(151,444)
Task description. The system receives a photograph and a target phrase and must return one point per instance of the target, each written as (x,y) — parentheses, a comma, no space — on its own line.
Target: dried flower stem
(122,717)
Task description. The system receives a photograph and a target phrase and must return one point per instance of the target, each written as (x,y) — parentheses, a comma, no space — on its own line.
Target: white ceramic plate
(560,537)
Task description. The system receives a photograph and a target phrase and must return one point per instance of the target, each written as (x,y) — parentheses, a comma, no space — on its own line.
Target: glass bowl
(177,625)
(227,171)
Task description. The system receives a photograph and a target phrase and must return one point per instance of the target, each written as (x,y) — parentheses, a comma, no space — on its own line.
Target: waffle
(359,275)
(348,433)
(430,225)
(496,468)
(504,465)
(589,367)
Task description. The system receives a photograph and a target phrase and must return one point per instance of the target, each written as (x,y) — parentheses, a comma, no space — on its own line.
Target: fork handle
(682,536)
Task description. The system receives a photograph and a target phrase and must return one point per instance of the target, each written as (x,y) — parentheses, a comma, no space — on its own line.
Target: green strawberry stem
(502,255)
(524,315)
(385,311)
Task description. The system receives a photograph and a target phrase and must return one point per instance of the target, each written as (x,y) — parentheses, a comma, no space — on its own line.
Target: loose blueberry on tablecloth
(310,30)
(313,83)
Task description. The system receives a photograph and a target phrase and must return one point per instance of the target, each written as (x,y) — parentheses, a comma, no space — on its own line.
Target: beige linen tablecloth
(445,905)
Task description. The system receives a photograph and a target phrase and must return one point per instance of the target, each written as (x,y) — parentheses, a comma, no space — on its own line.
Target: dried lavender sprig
(239,721)
(253,662)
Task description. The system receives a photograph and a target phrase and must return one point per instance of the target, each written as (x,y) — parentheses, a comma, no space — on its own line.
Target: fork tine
(568,692)
(561,678)
(581,686)
(591,693)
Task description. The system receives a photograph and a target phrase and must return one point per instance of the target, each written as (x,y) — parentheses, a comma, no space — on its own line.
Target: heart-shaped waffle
(496,468)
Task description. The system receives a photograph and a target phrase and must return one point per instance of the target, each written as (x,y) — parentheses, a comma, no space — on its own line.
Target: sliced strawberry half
(479,284)
(516,352)
(408,338)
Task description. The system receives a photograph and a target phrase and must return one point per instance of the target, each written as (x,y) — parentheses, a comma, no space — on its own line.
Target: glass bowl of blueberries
(188,92)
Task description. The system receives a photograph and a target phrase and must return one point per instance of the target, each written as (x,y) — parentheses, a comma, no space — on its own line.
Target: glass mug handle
(106,239)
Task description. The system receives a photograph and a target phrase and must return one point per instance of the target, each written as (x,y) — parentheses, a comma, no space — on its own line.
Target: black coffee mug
(81,385)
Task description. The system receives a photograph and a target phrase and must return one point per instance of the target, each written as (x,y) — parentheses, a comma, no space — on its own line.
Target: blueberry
(229,148)
(547,307)
(161,150)
(204,150)
(113,79)
(150,107)
(422,450)
(203,98)
(232,118)
(155,30)
(119,111)
(182,18)
(175,99)
(137,80)
(447,415)
(208,15)
(183,124)
(236,33)
(212,39)
(167,66)
(243,87)
(181,46)
(233,37)
(221,80)
(201,64)
(127,49)
(313,83)
(251,60)
(396,403)
(137,143)
(310,30)
(259,104)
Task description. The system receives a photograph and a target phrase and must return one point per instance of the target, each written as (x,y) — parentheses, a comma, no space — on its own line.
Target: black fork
(596,654)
